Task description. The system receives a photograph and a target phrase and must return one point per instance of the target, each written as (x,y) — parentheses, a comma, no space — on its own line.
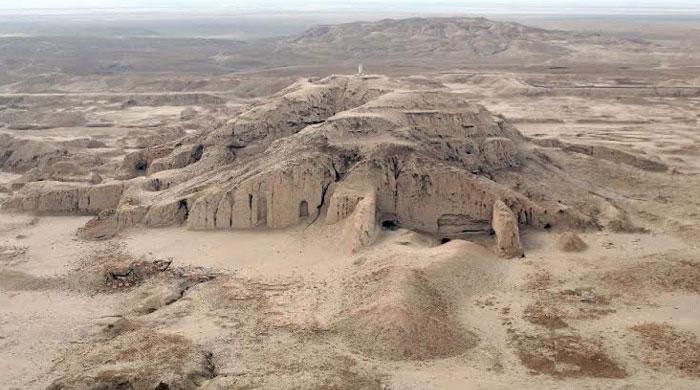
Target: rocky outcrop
(138,163)
(431,197)
(109,223)
(57,197)
(276,198)
(145,139)
(294,108)
(71,168)
(505,225)
(31,119)
(426,155)
(180,157)
(427,159)
(343,203)
(361,228)
(21,155)
(167,214)
(605,153)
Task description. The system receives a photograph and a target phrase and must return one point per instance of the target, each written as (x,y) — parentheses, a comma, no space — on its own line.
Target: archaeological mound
(366,151)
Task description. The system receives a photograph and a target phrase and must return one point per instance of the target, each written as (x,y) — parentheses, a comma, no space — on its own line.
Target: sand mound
(571,242)
(400,305)
(257,319)
(405,318)
(141,359)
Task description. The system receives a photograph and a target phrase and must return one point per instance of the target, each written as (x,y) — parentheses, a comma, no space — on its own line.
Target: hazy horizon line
(626,6)
(496,10)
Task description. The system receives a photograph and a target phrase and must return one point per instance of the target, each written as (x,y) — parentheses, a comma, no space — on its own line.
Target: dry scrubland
(495,206)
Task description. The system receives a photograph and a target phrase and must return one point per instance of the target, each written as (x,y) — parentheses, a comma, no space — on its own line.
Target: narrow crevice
(396,170)
(210,368)
(197,153)
(230,216)
(216,213)
(184,209)
(324,190)
(336,174)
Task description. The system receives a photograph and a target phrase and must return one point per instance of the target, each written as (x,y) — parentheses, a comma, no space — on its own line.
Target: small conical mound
(571,242)
(404,318)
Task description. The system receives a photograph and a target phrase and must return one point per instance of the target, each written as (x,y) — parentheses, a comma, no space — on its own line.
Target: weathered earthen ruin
(365,151)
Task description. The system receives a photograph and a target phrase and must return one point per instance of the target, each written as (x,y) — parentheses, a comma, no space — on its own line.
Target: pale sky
(410,5)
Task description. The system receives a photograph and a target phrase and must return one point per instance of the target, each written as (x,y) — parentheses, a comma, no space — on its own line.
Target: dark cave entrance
(262,211)
(390,224)
(303,209)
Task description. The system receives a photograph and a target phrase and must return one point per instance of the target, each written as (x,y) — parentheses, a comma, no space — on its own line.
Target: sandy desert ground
(519,210)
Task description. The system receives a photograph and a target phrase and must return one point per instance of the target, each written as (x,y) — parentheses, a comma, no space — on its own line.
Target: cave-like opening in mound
(262,212)
(303,209)
(390,224)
